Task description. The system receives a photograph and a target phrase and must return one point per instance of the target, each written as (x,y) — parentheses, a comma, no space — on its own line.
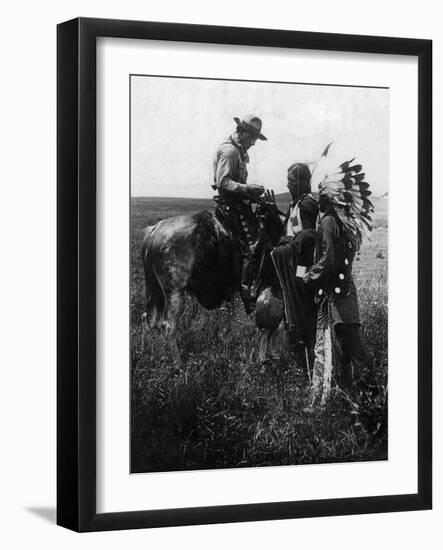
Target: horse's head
(269,219)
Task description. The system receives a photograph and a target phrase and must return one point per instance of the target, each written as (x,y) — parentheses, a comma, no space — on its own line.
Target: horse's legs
(154,296)
(153,307)
(171,301)
(173,308)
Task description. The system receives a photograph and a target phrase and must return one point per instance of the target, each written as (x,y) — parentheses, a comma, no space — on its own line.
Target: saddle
(250,248)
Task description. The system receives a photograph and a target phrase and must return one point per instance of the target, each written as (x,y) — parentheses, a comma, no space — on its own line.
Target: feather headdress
(348,193)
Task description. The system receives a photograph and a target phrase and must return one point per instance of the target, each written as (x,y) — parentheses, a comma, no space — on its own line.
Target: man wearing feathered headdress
(345,216)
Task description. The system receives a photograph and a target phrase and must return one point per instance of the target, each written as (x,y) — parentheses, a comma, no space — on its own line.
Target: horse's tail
(155,300)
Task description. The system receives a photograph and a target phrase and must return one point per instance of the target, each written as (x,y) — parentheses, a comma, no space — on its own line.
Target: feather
(345,165)
(363,185)
(356,168)
(358,201)
(348,194)
(326,151)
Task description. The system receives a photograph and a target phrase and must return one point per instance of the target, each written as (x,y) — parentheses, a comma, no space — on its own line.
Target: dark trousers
(353,357)
(239,219)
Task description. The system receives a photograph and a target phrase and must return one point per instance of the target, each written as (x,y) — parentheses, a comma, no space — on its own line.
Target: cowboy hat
(252,124)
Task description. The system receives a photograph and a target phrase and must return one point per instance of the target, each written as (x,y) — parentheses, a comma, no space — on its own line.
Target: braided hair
(299,180)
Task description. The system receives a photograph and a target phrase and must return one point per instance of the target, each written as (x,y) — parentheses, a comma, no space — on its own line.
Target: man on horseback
(236,196)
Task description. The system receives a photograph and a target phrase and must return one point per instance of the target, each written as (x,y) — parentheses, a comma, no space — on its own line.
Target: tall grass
(224,409)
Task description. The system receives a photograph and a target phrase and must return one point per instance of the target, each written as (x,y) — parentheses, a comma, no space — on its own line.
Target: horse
(269,309)
(196,254)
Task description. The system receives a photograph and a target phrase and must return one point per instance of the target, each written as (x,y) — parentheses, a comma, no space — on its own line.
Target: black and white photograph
(220,290)
(259,224)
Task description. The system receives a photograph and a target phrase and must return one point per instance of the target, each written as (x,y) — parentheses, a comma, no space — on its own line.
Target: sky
(177,125)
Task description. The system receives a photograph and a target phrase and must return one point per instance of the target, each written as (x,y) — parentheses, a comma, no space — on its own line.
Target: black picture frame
(76,280)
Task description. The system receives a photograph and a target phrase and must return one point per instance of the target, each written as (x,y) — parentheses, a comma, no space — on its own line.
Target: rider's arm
(226,166)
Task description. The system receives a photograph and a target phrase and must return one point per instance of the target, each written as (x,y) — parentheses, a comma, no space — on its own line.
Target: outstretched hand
(255,190)
(269,197)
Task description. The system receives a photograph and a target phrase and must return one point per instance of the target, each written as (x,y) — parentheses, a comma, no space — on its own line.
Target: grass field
(224,409)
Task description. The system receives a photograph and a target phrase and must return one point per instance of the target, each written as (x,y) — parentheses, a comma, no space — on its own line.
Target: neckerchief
(235,140)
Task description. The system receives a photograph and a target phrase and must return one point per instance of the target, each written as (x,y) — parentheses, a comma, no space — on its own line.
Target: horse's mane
(271,229)
(213,275)
(215,272)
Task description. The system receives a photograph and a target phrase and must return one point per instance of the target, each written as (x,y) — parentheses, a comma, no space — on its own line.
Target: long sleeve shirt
(322,272)
(230,172)
(332,272)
